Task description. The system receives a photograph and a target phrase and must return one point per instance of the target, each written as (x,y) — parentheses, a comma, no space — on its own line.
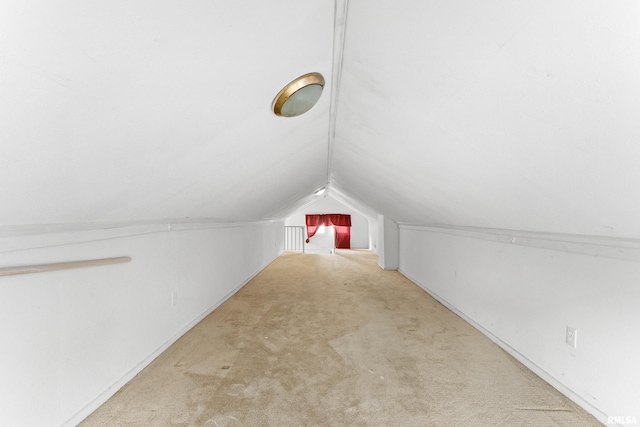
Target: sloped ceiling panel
(134,110)
(519,115)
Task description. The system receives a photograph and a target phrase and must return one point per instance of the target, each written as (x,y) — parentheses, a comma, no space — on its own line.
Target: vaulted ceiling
(501,114)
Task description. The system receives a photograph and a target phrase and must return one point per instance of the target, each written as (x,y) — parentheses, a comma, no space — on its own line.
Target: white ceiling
(502,114)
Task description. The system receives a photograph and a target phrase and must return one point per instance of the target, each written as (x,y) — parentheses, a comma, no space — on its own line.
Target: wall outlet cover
(572,337)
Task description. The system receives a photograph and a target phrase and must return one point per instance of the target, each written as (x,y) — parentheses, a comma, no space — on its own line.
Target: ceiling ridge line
(339,31)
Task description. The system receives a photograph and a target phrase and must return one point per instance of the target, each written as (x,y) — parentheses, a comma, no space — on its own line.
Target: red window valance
(315,221)
(338,219)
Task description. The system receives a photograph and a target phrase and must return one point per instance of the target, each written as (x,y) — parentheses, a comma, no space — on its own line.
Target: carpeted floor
(333,340)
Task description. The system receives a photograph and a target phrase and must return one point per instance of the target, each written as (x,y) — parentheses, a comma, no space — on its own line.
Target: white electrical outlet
(572,336)
(174,298)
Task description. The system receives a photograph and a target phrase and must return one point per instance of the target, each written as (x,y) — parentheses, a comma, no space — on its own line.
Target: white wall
(388,243)
(323,243)
(71,338)
(373,236)
(523,290)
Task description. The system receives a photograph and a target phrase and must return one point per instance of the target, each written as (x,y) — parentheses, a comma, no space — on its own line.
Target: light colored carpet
(333,340)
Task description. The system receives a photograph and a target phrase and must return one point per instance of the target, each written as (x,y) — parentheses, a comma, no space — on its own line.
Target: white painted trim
(340,8)
(16,238)
(387,269)
(598,246)
(113,389)
(586,405)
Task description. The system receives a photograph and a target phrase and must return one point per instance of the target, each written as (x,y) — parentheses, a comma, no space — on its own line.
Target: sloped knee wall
(71,338)
(522,291)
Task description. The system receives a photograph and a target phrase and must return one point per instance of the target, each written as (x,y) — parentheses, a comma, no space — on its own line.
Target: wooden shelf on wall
(40,268)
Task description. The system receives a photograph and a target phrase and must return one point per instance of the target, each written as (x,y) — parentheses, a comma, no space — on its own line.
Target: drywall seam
(61,235)
(597,246)
(586,405)
(113,389)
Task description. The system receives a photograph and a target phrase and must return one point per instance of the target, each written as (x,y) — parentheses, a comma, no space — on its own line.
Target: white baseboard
(113,389)
(583,403)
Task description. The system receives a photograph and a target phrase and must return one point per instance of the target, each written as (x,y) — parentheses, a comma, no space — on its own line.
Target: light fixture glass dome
(299,96)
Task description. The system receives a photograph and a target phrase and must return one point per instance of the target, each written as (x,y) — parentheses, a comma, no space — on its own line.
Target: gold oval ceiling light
(298,96)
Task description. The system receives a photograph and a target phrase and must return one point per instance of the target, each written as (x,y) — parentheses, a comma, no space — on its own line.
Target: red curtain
(315,221)
(338,219)
(343,237)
